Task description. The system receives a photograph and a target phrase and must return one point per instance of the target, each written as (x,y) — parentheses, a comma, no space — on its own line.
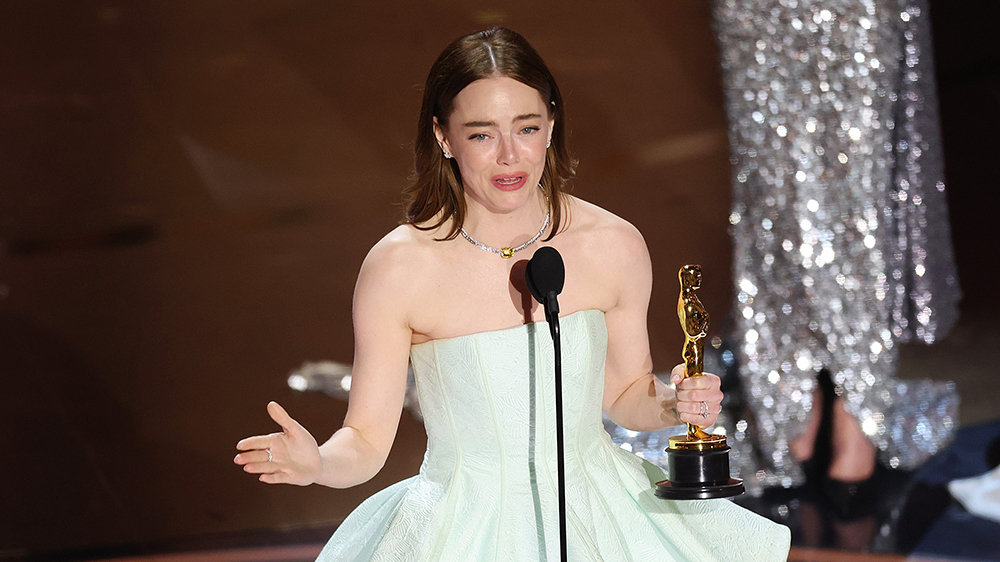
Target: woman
(445,290)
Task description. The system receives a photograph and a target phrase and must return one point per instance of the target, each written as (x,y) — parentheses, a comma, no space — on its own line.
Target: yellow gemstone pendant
(506,252)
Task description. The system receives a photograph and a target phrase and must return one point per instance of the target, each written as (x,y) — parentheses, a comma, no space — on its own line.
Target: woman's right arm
(382,335)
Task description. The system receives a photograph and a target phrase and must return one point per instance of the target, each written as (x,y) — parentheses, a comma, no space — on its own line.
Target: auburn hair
(436,193)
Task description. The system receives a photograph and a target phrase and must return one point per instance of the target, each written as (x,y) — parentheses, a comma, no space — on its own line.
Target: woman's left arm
(634,398)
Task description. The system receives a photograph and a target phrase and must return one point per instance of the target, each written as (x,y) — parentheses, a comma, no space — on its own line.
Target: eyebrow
(523,117)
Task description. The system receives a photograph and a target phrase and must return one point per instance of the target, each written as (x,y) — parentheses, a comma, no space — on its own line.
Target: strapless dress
(486,489)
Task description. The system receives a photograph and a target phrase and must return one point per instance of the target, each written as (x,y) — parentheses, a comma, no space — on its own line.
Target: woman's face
(497,133)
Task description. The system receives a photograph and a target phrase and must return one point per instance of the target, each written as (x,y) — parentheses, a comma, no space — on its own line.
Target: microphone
(545,275)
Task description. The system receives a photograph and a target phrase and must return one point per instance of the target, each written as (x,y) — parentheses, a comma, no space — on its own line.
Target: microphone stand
(545,275)
(552,317)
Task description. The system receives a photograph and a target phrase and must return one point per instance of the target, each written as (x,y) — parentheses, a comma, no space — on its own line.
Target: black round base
(698,475)
(668,490)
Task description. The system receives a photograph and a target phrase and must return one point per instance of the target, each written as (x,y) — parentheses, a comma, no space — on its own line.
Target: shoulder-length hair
(436,195)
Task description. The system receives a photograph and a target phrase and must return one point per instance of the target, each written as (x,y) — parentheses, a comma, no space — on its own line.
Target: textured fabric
(840,223)
(487,486)
(979,495)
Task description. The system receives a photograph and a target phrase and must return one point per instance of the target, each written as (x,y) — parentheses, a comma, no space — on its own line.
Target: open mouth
(509,183)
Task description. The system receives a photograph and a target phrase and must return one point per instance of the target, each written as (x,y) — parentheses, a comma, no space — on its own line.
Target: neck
(511,228)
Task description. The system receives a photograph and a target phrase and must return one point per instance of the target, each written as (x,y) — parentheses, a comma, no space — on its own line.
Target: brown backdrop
(189,189)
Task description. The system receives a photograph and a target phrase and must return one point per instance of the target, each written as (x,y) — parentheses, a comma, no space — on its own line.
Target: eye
(529,130)
(478,137)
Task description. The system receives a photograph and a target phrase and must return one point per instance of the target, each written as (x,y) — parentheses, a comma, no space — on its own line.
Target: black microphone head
(545,273)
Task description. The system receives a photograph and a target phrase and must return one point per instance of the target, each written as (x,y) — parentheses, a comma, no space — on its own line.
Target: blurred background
(190,187)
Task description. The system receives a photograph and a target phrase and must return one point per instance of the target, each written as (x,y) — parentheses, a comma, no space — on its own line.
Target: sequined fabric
(839,221)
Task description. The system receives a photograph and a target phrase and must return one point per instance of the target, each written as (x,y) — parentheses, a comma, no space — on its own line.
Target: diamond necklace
(507,252)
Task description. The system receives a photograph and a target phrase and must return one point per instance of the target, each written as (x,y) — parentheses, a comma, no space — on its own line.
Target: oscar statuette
(697,462)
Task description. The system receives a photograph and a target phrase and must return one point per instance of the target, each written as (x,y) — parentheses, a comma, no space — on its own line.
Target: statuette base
(698,475)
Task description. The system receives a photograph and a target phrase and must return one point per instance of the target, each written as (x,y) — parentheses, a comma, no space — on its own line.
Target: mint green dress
(487,486)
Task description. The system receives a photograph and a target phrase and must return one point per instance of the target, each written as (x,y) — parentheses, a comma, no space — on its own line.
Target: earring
(447,155)
(548,143)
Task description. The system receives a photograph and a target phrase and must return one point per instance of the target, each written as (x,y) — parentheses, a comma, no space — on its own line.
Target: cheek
(472,163)
(474,158)
(534,147)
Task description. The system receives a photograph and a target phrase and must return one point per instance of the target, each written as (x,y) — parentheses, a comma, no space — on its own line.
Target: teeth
(509,181)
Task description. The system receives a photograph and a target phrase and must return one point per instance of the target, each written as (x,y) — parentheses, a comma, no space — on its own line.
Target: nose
(508,151)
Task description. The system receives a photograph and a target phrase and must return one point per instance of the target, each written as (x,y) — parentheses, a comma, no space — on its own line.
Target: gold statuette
(694,322)
(697,462)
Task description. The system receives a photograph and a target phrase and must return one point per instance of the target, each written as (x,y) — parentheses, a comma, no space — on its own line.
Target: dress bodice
(488,398)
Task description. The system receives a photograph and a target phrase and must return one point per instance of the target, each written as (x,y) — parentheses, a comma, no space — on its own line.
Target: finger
(281,417)
(689,408)
(694,405)
(706,383)
(691,419)
(695,409)
(255,442)
(261,467)
(255,456)
(697,396)
(677,374)
(705,380)
(697,420)
(275,478)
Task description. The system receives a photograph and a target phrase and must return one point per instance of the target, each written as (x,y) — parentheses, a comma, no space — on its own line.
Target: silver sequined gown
(840,226)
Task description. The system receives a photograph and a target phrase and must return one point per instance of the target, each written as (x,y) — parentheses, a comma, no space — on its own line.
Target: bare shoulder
(400,247)
(606,256)
(602,232)
(396,264)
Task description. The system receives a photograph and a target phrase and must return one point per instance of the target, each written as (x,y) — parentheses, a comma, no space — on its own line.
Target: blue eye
(529,130)
(478,137)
